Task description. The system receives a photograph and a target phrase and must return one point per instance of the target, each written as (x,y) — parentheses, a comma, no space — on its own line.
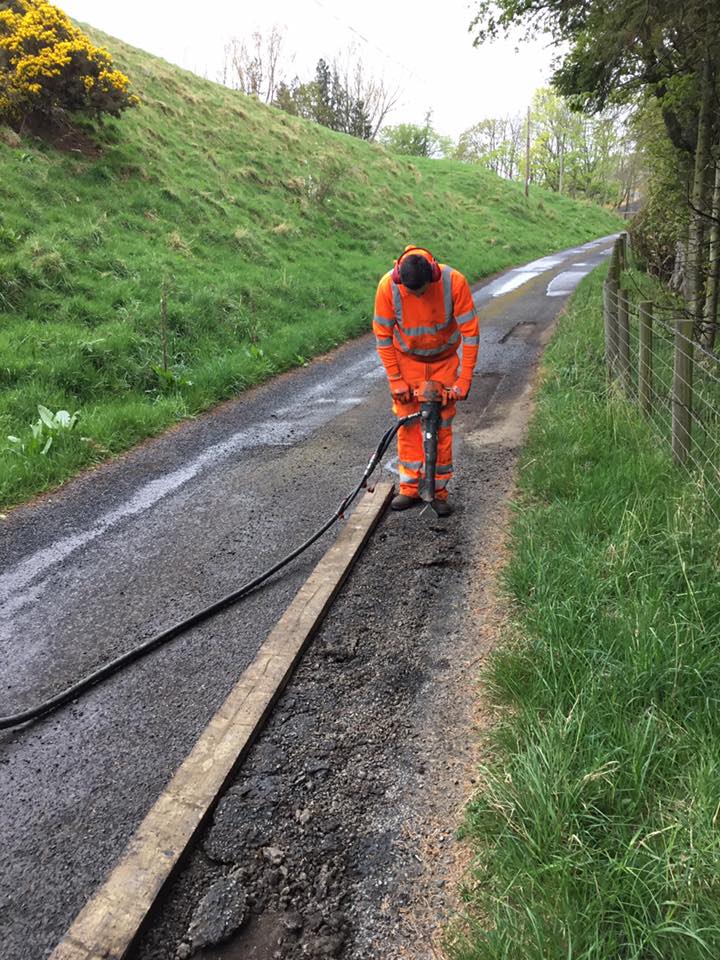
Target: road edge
(109,923)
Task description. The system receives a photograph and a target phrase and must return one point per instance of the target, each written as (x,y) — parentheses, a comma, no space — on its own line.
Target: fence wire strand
(690,426)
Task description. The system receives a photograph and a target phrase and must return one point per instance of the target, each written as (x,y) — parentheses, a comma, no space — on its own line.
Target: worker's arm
(383,323)
(467,319)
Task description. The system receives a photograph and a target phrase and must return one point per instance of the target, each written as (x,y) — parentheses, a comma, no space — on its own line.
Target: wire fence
(656,362)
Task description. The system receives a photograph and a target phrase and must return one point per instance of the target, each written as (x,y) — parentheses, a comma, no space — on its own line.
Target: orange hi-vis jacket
(428,328)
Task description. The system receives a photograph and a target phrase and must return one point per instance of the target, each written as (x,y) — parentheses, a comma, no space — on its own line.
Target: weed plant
(597,823)
(268,234)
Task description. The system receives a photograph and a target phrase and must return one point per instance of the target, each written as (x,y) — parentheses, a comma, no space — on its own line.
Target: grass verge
(268,234)
(597,825)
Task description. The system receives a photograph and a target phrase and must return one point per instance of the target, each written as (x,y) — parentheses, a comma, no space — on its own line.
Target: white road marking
(514,281)
(565,282)
(518,277)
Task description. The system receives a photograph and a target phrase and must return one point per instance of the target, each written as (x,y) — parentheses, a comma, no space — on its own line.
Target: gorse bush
(47,65)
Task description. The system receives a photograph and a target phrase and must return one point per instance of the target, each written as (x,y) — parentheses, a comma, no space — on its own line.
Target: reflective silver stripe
(447,468)
(447,292)
(418,331)
(467,316)
(397,302)
(471,341)
(452,340)
(441,484)
(384,322)
(410,464)
(383,341)
(399,342)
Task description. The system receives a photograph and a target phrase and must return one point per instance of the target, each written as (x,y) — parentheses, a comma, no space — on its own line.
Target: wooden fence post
(606,325)
(623,338)
(682,390)
(645,370)
(611,294)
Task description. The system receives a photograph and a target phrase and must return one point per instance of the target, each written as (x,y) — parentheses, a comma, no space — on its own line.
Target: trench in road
(68,802)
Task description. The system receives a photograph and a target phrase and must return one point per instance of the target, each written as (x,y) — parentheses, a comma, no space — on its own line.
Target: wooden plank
(110,921)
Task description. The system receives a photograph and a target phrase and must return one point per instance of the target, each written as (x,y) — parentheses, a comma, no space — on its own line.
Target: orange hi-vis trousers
(410,445)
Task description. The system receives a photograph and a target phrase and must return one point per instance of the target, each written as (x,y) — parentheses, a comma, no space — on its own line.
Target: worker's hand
(400,391)
(460,389)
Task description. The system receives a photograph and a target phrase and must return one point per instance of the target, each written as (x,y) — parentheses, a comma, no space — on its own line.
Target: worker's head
(415,273)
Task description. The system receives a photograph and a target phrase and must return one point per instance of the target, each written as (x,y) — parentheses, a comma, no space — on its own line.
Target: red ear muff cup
(434,266)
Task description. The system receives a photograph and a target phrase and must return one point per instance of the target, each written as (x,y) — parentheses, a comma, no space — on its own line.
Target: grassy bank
(269,234)
(598,821)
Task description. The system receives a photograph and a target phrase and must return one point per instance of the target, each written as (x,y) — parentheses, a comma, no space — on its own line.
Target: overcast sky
(430,56)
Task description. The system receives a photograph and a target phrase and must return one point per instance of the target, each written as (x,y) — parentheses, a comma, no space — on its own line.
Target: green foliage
(624,52)
(664,218)
(570,153)
(43,431)
(614,52)
(413,140)
(573,153)
(329,99)
(596,823)
(269,233)
(497,143)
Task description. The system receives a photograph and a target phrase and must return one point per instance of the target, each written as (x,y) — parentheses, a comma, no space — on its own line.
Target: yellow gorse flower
(46,64)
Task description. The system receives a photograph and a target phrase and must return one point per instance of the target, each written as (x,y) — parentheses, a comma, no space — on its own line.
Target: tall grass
(268,232)
(597,825)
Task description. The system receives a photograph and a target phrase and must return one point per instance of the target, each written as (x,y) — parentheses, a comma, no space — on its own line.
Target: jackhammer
(432,397)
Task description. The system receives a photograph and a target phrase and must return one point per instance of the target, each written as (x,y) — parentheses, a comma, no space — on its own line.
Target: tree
(576,154)
(580,156)
(415,140)
(258,69)
(616,51)
(496,143)
(340,95)
(285,98)
(376,97)
(49,67)
(324,106)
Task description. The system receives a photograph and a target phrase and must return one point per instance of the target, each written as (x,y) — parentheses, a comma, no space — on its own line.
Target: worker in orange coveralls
(424,311)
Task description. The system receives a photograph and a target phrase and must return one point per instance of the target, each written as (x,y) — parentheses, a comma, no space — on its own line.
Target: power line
(371,43)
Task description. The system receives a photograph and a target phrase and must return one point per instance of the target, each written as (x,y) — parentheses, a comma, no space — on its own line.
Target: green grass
(270,233)
(597,826)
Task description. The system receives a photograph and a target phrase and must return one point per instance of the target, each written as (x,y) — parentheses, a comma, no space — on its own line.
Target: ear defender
(434,266)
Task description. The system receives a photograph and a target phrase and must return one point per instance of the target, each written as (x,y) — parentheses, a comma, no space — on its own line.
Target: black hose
(77,689)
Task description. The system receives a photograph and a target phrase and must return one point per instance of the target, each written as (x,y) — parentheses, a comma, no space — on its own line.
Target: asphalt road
(144,541)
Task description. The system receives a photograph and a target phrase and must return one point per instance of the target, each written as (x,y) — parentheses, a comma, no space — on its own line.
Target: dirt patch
(61,133)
